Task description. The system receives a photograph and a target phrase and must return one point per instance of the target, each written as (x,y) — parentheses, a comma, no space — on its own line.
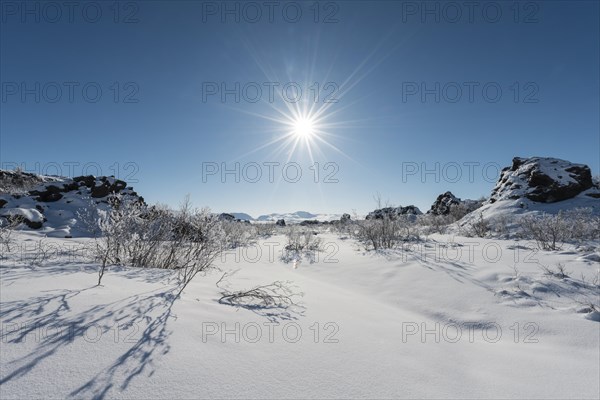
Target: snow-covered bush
(386,232)
(432,223)
(264,230)
(435,223)
(479,227)
(237,233)
(299,239)
(551,231)
(500,226)
(89,217)
(6,230)
(582,224)
(548,231)
(301,243)
(135,235)
(458,211)
(41,253)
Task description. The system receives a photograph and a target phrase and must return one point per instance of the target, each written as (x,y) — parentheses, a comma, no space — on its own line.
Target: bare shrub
(386,232)
(548,231)
(279,294)
(432,223)
(237,234)
(479,228)
(582,224)
(596,280)
(458,211)
(560,271)
(346,226)
(299,239)
(133,234)
(500,226)
(264,230)
(7,228)
(381,232)
(301,243)
(88,216)
(551,231)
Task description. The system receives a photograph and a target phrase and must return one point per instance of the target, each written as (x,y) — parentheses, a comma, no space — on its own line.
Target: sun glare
(304,128)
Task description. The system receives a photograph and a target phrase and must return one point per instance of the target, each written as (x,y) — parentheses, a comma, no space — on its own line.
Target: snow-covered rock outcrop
(543,180)
(444,202)
(539,185)
(54,204)
(394,212)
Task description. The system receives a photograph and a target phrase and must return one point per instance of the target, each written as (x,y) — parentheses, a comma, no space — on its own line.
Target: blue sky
(528,80)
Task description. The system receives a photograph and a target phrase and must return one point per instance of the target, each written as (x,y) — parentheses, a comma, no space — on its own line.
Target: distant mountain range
(297,216)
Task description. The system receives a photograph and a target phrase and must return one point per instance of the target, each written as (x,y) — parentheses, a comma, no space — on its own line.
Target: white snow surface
(62,336)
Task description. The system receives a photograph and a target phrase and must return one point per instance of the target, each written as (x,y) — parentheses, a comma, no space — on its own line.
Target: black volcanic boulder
(542,179)
(106,187)
(443,204)
(309,222)
(280,222)
(345,218)
(393,212)
(88,180)
(49,194)
(32,224)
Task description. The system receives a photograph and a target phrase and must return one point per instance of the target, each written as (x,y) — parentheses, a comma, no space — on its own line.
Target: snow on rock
(19,181)
(542,179)
(535,186)
(393,212)
(52,204)
(445,201)
(29,216)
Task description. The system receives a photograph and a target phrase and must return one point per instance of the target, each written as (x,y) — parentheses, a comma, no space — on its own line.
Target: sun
(304,127)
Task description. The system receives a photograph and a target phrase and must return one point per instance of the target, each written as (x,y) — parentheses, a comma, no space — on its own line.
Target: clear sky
(406,99)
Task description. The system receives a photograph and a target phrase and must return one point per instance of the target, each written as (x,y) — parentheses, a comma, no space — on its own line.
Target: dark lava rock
(443,203)
(393,212)
(49,194)
(88,180)
(542,179)
(106,188)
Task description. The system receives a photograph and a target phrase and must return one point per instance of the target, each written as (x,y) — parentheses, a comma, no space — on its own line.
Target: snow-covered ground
(451,317)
